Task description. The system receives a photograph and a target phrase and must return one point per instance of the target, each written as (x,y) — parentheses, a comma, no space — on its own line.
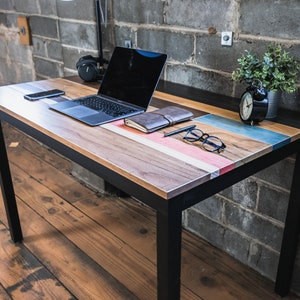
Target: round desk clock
(253,105)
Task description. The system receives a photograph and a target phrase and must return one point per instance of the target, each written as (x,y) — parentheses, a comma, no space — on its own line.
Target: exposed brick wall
(245,220)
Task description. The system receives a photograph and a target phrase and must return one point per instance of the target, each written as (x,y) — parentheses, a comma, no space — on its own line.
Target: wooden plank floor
(79,244)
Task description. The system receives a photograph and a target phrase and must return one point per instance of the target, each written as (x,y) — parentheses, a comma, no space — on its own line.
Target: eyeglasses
(209,142)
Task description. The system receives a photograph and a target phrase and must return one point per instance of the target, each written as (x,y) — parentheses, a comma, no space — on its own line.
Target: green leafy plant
(276,69)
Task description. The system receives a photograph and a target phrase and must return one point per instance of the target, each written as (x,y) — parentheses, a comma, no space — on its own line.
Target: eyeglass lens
(209,143)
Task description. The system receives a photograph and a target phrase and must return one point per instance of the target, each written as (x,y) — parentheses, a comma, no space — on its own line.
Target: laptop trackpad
(79,111)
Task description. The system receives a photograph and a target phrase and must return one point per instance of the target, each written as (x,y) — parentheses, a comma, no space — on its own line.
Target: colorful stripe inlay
(273,138)
(212,163)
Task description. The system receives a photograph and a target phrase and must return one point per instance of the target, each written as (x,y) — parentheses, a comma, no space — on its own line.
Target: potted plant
(276,71)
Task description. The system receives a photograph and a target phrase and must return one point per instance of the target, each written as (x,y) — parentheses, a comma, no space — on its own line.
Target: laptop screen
(132,75)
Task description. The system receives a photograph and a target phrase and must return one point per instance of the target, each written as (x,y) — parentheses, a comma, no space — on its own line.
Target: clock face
(246,106)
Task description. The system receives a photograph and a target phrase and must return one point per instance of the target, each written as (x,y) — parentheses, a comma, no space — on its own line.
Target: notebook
(126,89)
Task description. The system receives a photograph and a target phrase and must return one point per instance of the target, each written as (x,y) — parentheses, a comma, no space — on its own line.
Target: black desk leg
(8,193)
(168,253)
(290,236)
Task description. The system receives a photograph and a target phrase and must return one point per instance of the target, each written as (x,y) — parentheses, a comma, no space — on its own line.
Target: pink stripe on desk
(222,164)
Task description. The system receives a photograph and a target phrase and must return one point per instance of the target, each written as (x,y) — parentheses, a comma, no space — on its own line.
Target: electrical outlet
(127,44)
(226,38)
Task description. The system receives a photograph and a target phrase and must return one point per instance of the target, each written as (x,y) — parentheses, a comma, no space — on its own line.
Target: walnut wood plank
(67,263)
(98,243)
(115,256)
(14,138)
(3,294)
(23,276)
(63,185)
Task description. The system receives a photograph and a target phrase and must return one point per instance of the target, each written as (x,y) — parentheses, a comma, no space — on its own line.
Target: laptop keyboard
(101,104)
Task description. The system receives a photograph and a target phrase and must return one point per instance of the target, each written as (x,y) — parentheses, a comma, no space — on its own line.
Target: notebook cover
(157,119)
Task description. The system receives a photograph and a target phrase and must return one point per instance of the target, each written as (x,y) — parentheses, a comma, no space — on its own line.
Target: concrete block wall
(190,33)
(16,62)
(245,220)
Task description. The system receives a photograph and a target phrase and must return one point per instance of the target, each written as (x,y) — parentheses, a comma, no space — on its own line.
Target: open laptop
(126,90)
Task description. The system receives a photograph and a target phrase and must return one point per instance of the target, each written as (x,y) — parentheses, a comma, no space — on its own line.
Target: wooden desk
(165,173)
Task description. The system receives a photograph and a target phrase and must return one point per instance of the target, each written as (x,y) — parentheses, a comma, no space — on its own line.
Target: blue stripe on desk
(276,139)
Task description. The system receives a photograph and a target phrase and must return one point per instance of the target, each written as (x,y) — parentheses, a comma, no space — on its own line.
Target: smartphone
(44,94)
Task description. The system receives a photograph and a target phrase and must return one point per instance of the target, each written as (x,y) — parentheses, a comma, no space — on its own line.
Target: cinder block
(3,19)
(139,11)
(11,20)
(26,6)
(54,50)
(264,260)
(237,245)
(48,68)
(76,10)
(211,54)
(78,35)
(254,225)
(211,207)
(198,78)
(279,174)
(273,203)
(168,42)
(244,193)
(71,56)
(48,7)
(202,14)
(204,227)
(6,5)
(39,47)
(232,242)
(17,53)
(43,26)
(278,19)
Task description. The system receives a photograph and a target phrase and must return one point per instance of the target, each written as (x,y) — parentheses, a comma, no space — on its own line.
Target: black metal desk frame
(168,212)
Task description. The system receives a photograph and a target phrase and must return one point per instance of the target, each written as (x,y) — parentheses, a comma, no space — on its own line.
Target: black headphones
(88,70)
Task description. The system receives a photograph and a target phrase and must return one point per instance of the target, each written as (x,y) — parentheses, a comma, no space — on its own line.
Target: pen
(180,130)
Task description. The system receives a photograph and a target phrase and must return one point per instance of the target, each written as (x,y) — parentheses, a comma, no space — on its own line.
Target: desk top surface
(167,166)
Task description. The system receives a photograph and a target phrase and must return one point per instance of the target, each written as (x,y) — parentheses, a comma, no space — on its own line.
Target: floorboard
(81,244)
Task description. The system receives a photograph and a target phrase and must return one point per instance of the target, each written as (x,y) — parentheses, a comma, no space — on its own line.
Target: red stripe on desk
(215,160)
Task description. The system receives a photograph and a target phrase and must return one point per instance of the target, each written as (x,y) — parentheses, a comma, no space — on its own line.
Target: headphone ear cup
(87,68)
